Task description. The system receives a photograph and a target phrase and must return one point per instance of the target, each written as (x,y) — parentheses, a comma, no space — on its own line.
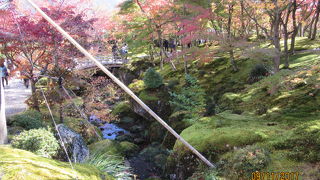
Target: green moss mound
(304,142)
(137,86)
(289,95)
(23,165)
(113,148)
(121,108)
(220,134)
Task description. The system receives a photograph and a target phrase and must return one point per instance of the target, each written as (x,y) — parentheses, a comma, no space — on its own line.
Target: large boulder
(75,145)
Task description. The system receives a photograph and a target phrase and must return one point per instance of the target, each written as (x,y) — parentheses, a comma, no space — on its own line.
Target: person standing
(124,52)
(23,75)
(115,51)
(4,74)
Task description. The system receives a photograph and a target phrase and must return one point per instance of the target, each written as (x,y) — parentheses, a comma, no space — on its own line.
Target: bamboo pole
(124,87)
(3,122)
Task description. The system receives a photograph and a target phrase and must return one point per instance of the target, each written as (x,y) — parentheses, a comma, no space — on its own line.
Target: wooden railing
(109,61)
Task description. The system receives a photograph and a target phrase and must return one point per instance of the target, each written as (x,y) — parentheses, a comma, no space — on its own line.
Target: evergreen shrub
(39,141)
(152,79)
(257,73)
(190,99)
(30,119)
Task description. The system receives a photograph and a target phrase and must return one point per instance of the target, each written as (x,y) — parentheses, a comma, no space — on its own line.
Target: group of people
(168,45)
(123,51)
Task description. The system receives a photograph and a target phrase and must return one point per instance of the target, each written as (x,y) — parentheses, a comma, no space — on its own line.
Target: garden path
(16,95)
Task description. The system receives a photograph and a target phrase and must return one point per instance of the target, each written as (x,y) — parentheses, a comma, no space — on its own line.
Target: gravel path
(16,94)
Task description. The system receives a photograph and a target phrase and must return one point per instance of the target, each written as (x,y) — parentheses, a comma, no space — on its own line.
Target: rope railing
(119,83)
(3,121)
(83,115)
(57,129)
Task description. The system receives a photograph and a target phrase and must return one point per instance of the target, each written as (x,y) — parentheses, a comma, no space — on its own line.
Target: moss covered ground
(23,165)
(280,113)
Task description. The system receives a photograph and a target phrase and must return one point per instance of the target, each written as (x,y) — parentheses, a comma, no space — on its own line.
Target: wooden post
(3,122)
(123,86)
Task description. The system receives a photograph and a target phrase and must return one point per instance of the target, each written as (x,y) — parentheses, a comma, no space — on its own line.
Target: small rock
(136,129)
(271,124)
(125,137)
(138,140)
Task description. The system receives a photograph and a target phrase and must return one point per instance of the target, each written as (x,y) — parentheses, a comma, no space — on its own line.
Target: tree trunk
(233,62)
(310,28)
(286,37)
(276,40)
(300,29)
(151,53)
(295,27)
(161,47)
(60,91)
(34,95)
(231,53)
(257,31)
(315,28)
(243,27)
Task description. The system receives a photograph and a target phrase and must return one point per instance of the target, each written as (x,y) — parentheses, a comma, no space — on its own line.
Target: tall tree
(271,10)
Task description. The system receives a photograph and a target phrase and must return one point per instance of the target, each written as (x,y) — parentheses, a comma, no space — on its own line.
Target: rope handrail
(123,86)
(82,114)
(3,121)
(80,111)
(57,129)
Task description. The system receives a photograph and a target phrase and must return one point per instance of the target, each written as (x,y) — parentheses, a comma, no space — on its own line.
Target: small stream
(139,165)
(109,130)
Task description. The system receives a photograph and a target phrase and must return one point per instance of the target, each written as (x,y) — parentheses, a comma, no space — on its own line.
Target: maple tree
(41,50)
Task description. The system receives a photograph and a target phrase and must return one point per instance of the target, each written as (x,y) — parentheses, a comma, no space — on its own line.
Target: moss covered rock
(121,109)
(113,148)
(23,165)
(215,135)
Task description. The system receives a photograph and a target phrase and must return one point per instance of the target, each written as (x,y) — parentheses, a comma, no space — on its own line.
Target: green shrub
(172,83)
(191,99)
(42,82)
(242,162)
(137,86)
(40,141)
(147,96)
(209,174)
(152,79)
(258,72)
(30,119)
(121,108)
